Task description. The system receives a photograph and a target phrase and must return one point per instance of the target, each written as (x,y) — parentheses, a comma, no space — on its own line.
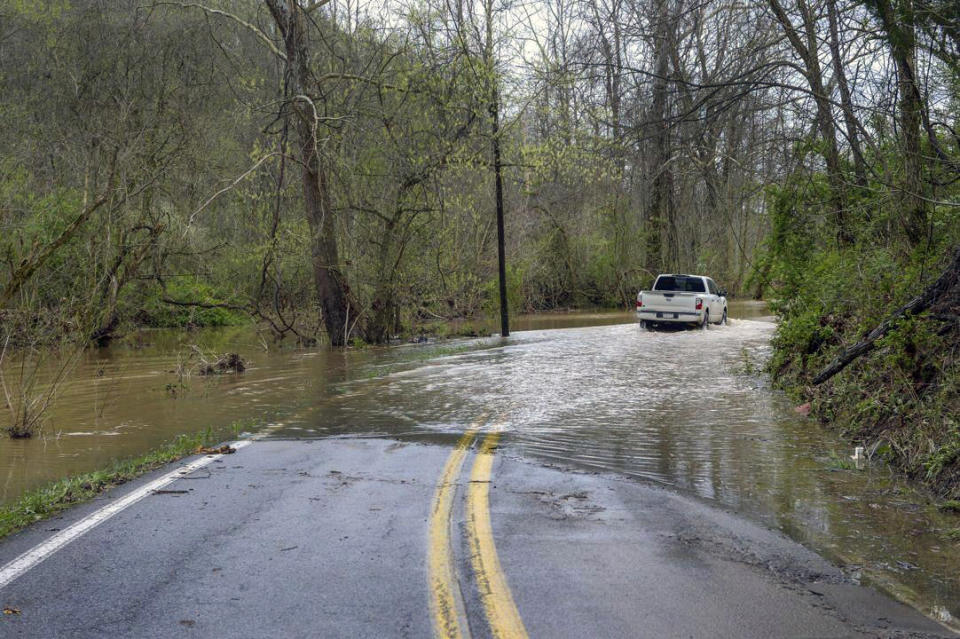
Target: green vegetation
(901,398)
(863,255)
(161,310)
(950,506)
(56,497)
(839,461)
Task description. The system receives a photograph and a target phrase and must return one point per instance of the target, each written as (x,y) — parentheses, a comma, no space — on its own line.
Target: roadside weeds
(60,495)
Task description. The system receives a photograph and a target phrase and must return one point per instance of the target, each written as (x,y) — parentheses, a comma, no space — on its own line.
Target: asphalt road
(381,538)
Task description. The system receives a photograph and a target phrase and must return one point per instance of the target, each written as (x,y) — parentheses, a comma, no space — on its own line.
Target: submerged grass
(60,495)
(837,461)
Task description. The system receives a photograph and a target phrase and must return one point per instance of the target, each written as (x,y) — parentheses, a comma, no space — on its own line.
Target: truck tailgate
(670,302)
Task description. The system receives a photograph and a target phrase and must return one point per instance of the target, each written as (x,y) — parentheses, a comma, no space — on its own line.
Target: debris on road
(226,449)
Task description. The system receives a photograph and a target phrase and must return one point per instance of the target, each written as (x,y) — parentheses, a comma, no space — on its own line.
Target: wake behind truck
(678,298)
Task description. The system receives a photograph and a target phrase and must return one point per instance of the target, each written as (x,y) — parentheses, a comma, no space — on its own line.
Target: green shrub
(160,314)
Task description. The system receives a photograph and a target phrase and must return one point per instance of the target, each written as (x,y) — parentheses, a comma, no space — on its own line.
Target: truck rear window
(685,284)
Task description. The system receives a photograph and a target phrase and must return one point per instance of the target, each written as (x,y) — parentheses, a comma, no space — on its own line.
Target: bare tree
(805,42)
(333,291)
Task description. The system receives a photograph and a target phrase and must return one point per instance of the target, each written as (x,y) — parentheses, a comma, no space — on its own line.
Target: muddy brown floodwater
(588,391)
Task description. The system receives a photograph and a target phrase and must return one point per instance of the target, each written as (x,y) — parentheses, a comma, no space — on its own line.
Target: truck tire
(706,320)
(723,320)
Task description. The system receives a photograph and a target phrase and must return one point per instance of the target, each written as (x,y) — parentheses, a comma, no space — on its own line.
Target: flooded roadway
(686,409)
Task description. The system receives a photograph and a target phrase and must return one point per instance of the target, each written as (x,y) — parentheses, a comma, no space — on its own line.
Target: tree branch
(218,12)
(232,307)
(947,280)
(230,186)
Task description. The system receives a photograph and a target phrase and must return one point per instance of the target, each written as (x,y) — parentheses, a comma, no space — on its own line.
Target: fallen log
(948,280)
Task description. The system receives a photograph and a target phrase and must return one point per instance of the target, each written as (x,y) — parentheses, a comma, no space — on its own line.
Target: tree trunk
(900,32)
(661,240)
(807,51)
(846,102)
(330,282)
(383,307)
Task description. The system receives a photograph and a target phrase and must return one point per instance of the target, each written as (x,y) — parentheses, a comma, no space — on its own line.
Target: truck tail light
(639,302)
(699,304)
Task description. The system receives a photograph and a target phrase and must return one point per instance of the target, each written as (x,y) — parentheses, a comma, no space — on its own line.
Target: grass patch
(950,506)
(60,495)
(837,461)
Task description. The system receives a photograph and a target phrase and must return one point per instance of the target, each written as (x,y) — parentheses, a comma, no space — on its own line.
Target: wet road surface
(333,538)
(685,409)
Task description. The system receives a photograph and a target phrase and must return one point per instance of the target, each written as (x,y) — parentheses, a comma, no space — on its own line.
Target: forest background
(333,170)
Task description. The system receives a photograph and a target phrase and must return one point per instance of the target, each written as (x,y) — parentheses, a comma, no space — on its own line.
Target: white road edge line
(38,553)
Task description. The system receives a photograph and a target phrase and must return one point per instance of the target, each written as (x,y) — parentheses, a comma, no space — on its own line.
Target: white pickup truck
(682,299)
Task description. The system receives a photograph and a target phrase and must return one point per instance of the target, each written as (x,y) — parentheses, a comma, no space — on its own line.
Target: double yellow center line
(448,615)
(449,618)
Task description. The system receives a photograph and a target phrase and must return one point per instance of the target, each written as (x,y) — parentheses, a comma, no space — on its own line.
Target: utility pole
(497,169)
(501,257)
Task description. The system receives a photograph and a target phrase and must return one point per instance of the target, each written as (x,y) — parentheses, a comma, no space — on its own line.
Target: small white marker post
(858,457)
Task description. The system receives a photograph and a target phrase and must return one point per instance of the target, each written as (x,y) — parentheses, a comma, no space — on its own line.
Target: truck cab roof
(681,283)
